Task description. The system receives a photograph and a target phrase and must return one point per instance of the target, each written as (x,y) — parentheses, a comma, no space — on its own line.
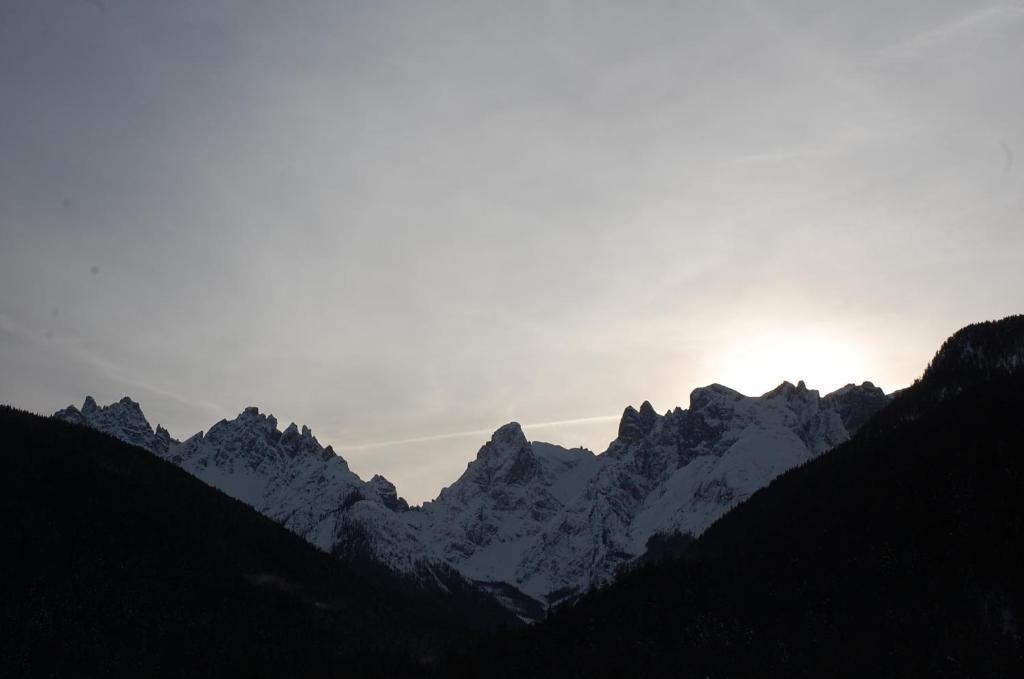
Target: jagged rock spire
(635,424)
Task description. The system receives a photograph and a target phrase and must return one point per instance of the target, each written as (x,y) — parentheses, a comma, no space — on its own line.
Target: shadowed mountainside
(117,562)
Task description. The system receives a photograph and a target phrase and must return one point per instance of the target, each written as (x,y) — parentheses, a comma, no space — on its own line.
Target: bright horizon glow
(756,365)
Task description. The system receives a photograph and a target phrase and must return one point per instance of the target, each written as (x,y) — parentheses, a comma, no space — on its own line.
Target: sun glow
(758,364)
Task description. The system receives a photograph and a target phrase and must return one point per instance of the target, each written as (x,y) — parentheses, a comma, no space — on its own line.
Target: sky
(406,224)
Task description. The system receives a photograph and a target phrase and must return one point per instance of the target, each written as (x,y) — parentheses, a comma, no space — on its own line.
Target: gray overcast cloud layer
(396,221)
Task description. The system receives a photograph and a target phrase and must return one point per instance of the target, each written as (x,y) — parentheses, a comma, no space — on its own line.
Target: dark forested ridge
(117,563)
(897,554)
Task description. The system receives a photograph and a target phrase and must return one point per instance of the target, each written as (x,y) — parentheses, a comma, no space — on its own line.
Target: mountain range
(532,523)
(890,546)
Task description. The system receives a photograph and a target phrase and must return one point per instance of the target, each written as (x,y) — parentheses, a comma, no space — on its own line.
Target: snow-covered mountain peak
(795,399)
(123,419)
(302,442)
(251,416)
(506,459)
(162,441)
(788,390)
(249,423)
(253,439)
(483,522)
(853,388)
(713,395)
(508,437)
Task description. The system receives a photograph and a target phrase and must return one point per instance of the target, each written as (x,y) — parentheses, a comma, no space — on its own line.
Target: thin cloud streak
(984,18)
(73,348)
(474,432)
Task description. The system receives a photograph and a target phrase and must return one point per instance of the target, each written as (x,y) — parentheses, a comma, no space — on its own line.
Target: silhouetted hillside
(118,563)
(900,553)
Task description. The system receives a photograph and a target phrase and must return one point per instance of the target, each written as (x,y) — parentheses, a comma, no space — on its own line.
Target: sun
(757,364)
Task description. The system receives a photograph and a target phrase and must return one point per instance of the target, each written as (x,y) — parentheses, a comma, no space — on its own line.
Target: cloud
(406,226)
(475,433)
(937,37)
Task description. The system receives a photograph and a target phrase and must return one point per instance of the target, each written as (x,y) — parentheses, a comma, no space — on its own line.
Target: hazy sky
(397,221)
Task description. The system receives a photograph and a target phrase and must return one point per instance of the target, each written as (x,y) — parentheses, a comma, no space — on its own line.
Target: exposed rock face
(387,493)
(634,424)
(856,405)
